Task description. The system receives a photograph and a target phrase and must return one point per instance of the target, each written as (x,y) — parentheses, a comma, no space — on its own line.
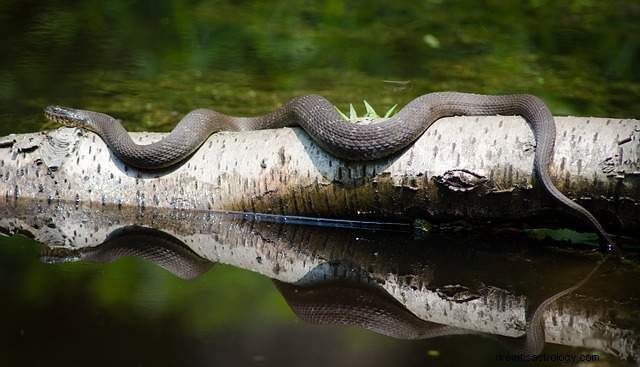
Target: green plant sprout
(370,113)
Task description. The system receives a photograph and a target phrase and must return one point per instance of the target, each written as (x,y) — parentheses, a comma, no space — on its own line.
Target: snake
(323,296)
(343,139)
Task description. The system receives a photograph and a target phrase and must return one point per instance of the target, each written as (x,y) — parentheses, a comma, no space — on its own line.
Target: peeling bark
(478,169)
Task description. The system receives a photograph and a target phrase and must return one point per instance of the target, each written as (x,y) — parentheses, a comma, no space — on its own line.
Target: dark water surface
(222,288)
(150,62)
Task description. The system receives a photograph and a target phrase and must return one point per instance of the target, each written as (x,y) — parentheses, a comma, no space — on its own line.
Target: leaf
(342,114)
(390,111)
(352,112)
(371,113)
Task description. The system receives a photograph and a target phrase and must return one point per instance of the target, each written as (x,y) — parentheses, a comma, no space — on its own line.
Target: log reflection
(385,279)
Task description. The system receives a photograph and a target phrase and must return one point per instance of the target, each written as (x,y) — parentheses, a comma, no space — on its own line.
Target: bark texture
(474,168)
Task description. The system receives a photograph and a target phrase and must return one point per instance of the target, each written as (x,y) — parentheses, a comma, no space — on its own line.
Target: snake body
(349,141)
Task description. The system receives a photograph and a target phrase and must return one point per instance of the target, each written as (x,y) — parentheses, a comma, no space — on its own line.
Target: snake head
(69,117)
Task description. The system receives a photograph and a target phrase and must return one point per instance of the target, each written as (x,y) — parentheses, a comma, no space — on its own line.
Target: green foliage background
(149,62)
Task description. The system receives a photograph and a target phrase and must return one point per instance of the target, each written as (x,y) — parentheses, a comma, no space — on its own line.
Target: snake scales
(318,117)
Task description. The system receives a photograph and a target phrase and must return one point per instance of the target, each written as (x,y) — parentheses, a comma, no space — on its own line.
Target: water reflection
(155,246)
(385,279)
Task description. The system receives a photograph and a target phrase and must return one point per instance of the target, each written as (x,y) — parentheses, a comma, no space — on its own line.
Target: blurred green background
(149,62)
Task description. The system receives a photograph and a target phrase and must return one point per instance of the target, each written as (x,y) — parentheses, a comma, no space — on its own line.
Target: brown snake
(349,141)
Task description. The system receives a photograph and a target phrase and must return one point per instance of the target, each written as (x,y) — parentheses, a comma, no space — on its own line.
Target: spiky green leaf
(390,111)
(342,114)
(371,113)
(352,112)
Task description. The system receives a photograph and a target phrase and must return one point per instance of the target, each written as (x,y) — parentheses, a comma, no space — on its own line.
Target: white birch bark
(478,169)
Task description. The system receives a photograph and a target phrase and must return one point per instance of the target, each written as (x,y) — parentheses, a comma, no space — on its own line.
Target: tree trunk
(476,169)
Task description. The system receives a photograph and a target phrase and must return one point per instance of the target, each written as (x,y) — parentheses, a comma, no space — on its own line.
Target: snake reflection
(333,293)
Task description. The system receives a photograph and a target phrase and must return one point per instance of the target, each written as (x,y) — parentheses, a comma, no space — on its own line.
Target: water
(150,62)
(197,290)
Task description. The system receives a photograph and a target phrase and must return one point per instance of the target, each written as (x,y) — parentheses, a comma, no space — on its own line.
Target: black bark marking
(624,141)
(460,180)
(579,166)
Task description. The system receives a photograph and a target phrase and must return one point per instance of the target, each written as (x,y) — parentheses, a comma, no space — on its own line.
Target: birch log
(478,169)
